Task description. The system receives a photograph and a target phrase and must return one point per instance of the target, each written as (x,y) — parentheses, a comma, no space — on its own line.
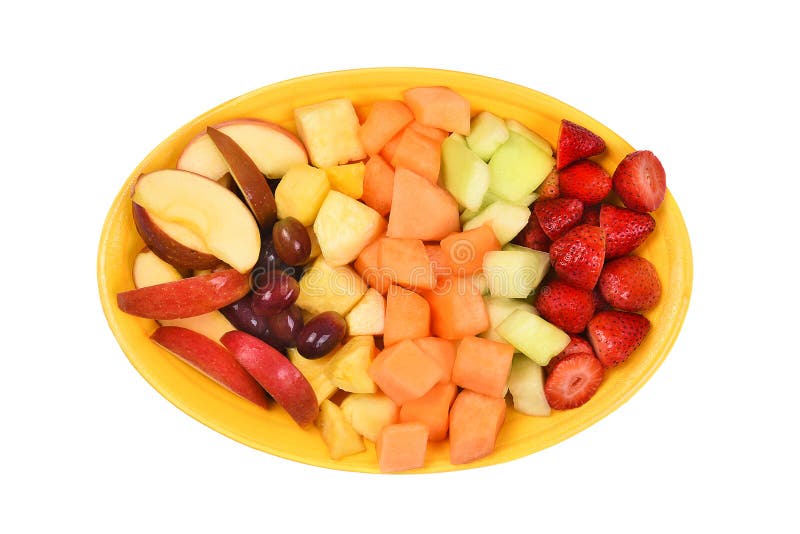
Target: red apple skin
(276,374)
(212,360)
(186,298)
(251,182)
(166,248)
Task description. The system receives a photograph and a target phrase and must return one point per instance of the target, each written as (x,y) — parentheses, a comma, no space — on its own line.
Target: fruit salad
(405,275)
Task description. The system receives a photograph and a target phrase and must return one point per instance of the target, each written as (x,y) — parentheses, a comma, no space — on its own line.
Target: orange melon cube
(440,107)
(366,265)
(428,131)
(482,365)
(419,153)
(464,251)
(378,185)
(441,350)
(406,262)
(385,119)
(401,447)
(403,372)
(457,308)
(408,316)
(475,421)
(421,209)
(432,410)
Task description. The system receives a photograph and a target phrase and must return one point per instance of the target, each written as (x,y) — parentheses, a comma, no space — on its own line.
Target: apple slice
(150,270)
(187,297)
(172,242)
(271,147)
(207,209)
(212,360)
(251,182)
(276,374)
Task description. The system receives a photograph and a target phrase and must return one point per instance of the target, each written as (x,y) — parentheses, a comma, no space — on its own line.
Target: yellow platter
(274,431)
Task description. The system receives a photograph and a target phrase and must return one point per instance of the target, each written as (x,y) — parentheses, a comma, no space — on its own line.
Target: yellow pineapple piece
(348,367)
(369,413)
(340,437)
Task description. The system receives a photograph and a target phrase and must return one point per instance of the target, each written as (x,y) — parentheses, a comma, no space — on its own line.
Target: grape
(291,241)
(321,334)
(272,292)
(268,260)
(242,317)
(283,327)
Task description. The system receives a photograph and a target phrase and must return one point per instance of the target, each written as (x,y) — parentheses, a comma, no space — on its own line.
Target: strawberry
(576,142)
(640,181)
(630,283)
(532,236)
(573,381)
(591,215)
(625,229)
(557,215)
(549,188)
(614,335)
(578,256)
(600,303)
(566,307)
(577,345)
(585,180)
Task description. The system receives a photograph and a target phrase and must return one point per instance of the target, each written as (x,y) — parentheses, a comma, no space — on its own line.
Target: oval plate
(274,431)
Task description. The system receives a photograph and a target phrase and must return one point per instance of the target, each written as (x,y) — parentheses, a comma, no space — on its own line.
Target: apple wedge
(187,297)
(172,242)
(206,209)
(282,380)
(212,360)
(150,270)
(271,147)
(248,177)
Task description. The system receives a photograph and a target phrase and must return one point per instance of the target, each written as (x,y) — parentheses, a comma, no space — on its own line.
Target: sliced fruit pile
(396,278)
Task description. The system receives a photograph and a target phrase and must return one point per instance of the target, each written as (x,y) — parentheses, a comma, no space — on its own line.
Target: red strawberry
(549,188)
(614,335)
(578,256)
(577,345)
(630,284)
(640,181)
(625,229)
(585,180)
(573,381)
(532,236)
(591,215)
(600,303)
(576,142)
(557,215)
(566,307)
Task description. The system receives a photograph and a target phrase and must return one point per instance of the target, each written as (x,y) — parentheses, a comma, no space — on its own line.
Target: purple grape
(291,241)
(273,292)
(283,327)
(242,316)
(321,335)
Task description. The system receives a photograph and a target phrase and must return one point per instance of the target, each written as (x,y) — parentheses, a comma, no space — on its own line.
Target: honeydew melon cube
(514,272)
(518,167)
(498,309)
(487,132)
(526,385)
(505,219)
(464,174)
(536,139)
(533,336)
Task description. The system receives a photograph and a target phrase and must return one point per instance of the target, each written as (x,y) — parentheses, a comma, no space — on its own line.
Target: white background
(708,444)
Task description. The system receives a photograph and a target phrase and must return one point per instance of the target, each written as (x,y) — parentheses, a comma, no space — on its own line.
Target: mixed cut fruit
(404,273)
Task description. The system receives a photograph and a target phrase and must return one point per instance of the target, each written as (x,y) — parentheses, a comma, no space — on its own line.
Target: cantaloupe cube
(329,131)
(407,262)
(432,410)
(378,185)
(443,351)
(401,447)
(408,316)
(421,209)
(483,365)
(440,107)
(457,308)
(384,120)
(475,421)
(419,153)
(367,266)
(404,372)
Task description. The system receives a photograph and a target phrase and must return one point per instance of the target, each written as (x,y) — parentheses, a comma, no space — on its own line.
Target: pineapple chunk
(366,319)
(347,179)
(314,371)
(369,413)
(344,226)
(329,130)
(327,288)
(301,192)
(340,437)
(348,367)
